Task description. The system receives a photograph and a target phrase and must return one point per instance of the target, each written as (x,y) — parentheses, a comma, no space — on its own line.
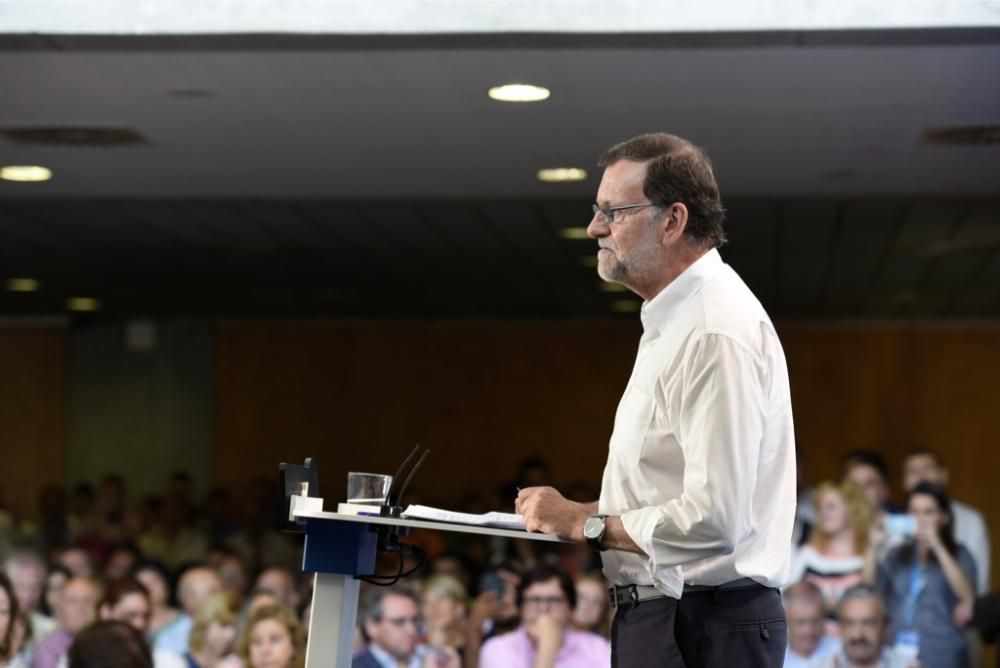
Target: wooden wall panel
(32,412)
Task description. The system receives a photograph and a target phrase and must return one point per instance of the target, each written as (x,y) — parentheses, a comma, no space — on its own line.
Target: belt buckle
(633,595)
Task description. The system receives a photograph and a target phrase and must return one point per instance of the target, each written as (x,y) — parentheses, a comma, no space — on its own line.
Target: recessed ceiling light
(612,287)
(519,93)
(625,306)
(22,284)
(561,174)
(25,173)
(83,304)
(573,233)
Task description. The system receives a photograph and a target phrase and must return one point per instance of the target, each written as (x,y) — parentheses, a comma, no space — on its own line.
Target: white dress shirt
(701,464)
(970,531)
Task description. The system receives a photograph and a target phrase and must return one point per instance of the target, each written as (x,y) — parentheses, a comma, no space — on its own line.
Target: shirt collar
(660,310)
(384,658)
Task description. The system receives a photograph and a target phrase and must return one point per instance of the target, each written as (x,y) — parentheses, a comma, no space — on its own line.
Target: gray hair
(861,592)
(375,600)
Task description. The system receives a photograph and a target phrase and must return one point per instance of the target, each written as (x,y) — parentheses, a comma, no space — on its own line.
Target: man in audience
(864,630)
(281,583)
(26,570)
(867,470)
(195,586)
(76,607)
(807,638)
(391,625)
(544,639)
(924,465)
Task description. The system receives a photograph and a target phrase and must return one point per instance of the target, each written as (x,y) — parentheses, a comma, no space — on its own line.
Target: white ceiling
(403,122)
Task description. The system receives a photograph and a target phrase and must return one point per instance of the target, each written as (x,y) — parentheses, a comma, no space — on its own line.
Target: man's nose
(597,227)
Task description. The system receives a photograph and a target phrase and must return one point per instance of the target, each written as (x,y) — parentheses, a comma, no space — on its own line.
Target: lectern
(339,547)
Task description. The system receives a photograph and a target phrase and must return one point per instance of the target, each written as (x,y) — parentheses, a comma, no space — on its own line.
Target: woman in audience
(274,639)
(127,600)
(592,605)
(834,557)
(155,578)
(214,632)
(442,604)
(109,644)
(8,617)
(57,576)
(925,579)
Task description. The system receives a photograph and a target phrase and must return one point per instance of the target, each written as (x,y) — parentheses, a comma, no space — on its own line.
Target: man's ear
(674,222)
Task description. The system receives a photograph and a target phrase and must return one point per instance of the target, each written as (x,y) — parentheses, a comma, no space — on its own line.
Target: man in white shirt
(923,465)
(698,496)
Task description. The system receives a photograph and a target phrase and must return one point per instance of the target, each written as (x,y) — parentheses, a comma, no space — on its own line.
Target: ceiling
(375,178)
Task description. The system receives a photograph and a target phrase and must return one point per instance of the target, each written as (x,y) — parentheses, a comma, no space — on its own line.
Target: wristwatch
(593,531)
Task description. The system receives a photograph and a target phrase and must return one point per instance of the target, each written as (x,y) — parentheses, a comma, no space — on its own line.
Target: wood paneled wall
(33,414)
(484,395)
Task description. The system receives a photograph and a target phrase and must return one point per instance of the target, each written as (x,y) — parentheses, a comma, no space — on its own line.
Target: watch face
(593,527)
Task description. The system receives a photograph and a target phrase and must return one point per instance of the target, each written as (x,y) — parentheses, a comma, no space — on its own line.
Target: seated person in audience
(56,578)
(282,583)
(155,578)
(834,557)
(927,578)
(545,639)
(808,641)
(442,603)
(968,525)
(867,470)
(127,600)
(213,636)
(390,624)
(8,619)
(110,644)
(194,587)
(494,611)
(122,560)
(76,608)
(593,607)
(26,570)
(273,639)
(230,567)
(77,561)
(864,632)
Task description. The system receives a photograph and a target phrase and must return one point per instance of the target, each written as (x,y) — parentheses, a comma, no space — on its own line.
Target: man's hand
(545,510)
(547,632)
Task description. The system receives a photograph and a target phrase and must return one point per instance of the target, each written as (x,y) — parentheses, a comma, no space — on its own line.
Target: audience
(808,641)
(968,525)
(924,580)
(274,639)
(442,604)
(8,617)
(226,619)
(834,557)
(213,634)
(156,579)
(110,644)
(390,624)
(76,608)
(864,630)
(546,597)
(26,570)
(195,586)
(593,607)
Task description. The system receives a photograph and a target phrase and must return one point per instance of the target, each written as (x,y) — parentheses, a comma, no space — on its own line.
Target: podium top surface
(427,524)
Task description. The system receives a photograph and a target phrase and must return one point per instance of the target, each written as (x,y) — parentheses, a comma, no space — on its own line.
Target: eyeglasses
(546,600)
(608,212)
(400,622)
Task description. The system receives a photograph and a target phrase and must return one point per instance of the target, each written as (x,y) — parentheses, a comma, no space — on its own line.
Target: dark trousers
(734,628)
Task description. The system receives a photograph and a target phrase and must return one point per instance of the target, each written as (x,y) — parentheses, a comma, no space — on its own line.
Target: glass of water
(367,489)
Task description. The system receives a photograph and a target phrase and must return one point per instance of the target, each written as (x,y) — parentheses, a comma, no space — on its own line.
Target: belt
(633,595)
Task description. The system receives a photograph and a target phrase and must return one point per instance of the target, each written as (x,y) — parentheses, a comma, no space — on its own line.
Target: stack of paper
(500,520)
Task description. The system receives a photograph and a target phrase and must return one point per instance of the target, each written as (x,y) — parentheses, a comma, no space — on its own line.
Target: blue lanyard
(917,582)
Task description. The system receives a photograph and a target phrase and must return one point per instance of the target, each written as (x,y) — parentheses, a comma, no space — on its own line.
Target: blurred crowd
(876,583)
(172,582)
(91,579)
